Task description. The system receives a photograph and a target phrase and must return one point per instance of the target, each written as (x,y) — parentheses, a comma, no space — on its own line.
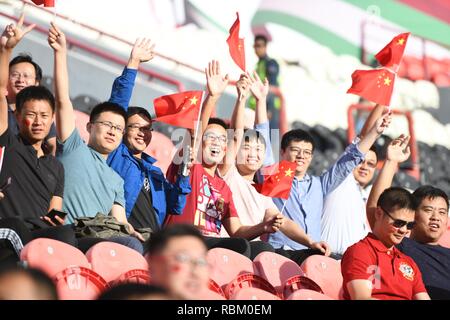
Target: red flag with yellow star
(46,3)
(279,183)
(236,44)
(391,55)
(373,85)
(179,109)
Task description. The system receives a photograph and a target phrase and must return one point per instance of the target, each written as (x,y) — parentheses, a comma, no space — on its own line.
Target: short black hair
(252,135)
(43,283)
(131,291)
(106,107)
(159,239)
(138,110)
(374,149)
(261,37)
(296,135)
(395,198)
(34,93)
(428,191)
(219,122)
(23,57)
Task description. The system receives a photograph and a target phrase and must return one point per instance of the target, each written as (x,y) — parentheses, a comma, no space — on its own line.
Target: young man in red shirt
(210,205)
(374,268)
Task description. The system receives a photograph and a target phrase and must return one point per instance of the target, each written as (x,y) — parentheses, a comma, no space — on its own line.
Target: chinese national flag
(278,184)
(373,85)
(236,45)
(179,109)
(391,55)
(46,3)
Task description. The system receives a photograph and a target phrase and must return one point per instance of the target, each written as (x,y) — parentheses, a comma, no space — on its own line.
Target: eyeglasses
(111,126)
(305,152)
(209,136)
(195,262)
(143,129)
(398,223)
(25,76)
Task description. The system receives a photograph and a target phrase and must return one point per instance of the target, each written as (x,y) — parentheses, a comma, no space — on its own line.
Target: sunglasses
(398,223)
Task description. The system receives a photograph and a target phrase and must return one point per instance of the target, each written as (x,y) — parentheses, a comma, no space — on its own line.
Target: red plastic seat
(68,267)
(445,239)
(226,265)
(298,283)
(249,280)
(326,272)
(276,269)
(52,256)
(253,294)
(305,294)
(81,119)
(414,67)
(116,262)
(441,79)
(79,283)
(162,149)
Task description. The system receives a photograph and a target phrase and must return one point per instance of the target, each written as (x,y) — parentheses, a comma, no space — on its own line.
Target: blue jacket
(166,197)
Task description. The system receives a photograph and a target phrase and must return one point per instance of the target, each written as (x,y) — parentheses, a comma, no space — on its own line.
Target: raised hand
(383,123)
(56,38)
(243,86)
(258,88)
(398,150)
(142,50)
(216,83)
(14,33)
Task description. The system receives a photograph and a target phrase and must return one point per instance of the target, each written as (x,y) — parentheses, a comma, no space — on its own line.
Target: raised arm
(237,124)
(270,224)
(65,118)
(397,151)
(374,115)
(123,85)
(352,156)
(10,37)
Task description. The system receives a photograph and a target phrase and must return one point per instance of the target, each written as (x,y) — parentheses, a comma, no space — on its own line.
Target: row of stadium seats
(438,70)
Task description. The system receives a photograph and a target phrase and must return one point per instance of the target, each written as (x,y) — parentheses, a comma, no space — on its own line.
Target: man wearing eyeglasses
(305,202)
(431,217)
(177,261)
(149,196)
(91,186)
(374,268)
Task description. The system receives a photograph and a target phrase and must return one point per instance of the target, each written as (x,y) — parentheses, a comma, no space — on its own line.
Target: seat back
(253,294)
(226,265)
(299,282)
(276,269)
(113,261)
(249,280)
(306,294)
(445,239)
(79,283)
(326,272)
(52,256)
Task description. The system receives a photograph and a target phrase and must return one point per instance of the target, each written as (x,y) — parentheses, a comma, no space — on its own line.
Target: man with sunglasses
(374,268)
(149,196)
(431,217)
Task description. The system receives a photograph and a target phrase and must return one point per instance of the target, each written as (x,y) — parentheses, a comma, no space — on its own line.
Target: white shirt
(344,219)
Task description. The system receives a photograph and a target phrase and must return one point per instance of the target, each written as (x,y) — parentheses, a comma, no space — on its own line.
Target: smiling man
(374,268)
(431,217)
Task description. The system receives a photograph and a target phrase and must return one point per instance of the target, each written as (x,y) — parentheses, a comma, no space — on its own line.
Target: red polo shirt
(394,275)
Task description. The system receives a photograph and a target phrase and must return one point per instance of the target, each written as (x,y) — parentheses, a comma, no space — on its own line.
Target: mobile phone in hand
(6,185)
(54,213)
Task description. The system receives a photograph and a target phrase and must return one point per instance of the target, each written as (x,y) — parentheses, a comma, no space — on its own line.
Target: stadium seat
(326,272)
(253,294)
(249,280)
(162,149)
(84,103)
(276,269)
(213,286)
(52,256)
(445,239)
(68,267)
(214,292)
(81,120)
(116,262)
(305,294)
(298,283)
(226,265)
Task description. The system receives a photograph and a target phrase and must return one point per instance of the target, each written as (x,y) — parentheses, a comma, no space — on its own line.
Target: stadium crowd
(385,238)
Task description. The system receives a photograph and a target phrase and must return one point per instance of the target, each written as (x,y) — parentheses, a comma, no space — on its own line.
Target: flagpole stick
(284,205)
(198,122)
